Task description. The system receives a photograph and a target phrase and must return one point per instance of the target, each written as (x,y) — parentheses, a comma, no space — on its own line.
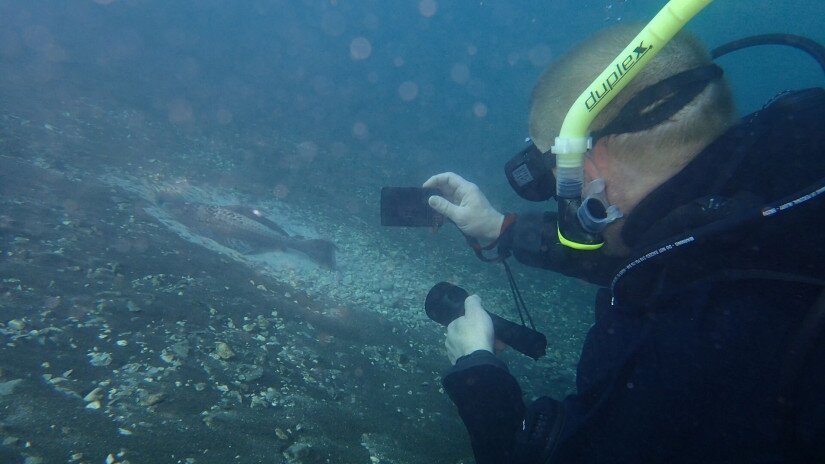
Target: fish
(243,228)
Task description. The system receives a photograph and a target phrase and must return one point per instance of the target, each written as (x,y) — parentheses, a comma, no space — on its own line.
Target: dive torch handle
(521,338)
(445,303)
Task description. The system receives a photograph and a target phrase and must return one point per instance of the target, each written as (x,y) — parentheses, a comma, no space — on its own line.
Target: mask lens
(530,173)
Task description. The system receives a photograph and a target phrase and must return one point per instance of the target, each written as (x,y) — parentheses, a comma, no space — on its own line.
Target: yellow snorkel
(573,141)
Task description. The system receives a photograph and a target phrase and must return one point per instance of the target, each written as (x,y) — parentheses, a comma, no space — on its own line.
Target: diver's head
(634,158)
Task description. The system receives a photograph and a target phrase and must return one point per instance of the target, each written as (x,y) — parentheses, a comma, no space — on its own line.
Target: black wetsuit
(707,345)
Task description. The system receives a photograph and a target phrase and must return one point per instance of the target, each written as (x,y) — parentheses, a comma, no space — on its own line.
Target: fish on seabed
(243,228)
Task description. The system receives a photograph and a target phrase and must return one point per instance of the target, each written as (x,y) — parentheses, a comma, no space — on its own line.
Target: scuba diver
(705,236)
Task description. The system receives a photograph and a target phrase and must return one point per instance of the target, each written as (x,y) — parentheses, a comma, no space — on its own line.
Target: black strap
(805,44)
(517,298)
(660,101)
(521,306)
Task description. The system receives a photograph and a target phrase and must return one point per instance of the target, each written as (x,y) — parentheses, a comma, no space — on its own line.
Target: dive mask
(530,172)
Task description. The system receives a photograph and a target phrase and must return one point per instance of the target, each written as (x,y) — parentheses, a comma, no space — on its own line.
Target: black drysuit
(707,344)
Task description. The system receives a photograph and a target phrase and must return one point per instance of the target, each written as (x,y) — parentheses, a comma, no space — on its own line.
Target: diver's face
(597,166)
(591,171)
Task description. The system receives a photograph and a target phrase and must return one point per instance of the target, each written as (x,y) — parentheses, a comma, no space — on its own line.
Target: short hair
(683,135)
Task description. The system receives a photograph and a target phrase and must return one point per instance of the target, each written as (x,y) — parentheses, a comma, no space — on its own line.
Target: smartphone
(408,207)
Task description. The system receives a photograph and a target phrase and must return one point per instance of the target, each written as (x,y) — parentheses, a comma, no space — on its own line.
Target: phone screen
(408,207)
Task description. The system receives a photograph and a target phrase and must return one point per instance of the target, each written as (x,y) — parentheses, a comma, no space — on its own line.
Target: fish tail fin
(318,250)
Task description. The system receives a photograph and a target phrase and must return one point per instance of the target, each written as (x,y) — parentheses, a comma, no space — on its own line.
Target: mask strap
(660,101)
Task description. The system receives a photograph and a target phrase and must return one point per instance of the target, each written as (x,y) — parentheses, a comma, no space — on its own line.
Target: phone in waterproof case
(408,207)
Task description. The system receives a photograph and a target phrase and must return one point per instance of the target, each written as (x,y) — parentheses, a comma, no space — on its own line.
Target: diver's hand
(471,332)
(465,205)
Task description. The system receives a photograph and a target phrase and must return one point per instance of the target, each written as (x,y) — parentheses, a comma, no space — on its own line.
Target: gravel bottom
(124,337)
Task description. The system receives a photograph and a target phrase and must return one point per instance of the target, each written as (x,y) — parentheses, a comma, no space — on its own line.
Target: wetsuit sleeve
(533,240)
(501,428)
(489,402)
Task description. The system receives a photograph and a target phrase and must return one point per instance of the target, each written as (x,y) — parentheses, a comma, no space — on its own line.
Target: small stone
(7,388)
(180,349)
(258,402)
(94,405)
(100,359)
(123,431)
(250,372)
(223,351)
(93,395)
(297,452)
(122,342)
(281,434)
(155,399)
(16,324)
(110,459)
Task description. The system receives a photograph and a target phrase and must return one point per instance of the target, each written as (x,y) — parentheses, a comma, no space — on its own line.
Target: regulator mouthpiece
(595,212)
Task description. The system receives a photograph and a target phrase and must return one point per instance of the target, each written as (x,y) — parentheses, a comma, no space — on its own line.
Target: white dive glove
(465,205)
(471,332)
